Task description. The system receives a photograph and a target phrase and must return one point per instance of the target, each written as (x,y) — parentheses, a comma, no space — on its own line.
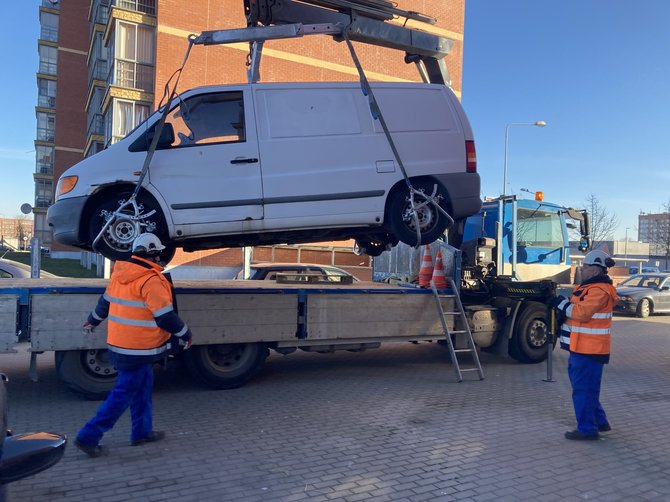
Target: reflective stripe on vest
(139,352)
(133,322)
(589,331)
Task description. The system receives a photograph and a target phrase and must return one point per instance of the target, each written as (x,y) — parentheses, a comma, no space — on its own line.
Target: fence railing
(146,6)
(133,75)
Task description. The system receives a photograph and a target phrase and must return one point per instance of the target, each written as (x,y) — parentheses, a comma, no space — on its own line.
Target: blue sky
(597,71)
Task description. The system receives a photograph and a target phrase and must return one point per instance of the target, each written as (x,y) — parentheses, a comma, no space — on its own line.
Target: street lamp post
(539,123)
(625,248)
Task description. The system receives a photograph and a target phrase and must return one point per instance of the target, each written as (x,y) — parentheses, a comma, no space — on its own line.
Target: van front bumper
(463,189)
(64,217)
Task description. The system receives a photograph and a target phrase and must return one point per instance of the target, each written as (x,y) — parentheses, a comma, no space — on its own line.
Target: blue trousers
(585,377)
(133,389)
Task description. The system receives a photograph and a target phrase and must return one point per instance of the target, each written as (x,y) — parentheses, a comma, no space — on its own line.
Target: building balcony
(48,68)
(46,101)
(99,12)
(145,6)
(44,134)
(42,202)
(96,125)
(49,34)
(98,70)
(51,4)
(132,75)
(44,168)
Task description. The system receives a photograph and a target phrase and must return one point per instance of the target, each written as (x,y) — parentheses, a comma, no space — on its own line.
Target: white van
(278,163)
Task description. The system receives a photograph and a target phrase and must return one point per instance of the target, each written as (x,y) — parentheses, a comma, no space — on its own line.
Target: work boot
(604,428)
(97,450)
(580,436)
(151,438)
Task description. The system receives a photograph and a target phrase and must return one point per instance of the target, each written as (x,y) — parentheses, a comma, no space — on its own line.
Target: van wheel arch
(393,221)
(116,192)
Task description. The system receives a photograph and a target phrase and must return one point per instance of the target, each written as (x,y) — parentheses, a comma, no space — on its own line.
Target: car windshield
(643,281)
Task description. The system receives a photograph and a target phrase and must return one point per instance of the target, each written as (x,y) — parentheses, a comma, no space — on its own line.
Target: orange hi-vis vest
(587,329)
(136,295)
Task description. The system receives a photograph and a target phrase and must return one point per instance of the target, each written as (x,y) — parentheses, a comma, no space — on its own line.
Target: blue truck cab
(533,237)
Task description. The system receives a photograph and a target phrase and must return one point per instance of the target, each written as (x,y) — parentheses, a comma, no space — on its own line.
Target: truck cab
(533,237)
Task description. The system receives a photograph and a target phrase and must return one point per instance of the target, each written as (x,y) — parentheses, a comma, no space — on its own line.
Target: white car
(279,163)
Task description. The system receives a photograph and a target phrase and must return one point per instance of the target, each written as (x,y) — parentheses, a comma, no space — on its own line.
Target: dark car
(10,269)
(22,455)
(269,271)
(644,294)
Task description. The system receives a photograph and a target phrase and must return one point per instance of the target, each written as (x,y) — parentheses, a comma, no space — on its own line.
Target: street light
(539,123)
(625,248)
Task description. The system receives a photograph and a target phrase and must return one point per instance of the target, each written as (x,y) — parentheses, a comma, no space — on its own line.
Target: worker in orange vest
(586,334)
(142,329)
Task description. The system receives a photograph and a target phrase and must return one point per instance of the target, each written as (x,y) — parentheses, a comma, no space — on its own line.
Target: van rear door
(211,173)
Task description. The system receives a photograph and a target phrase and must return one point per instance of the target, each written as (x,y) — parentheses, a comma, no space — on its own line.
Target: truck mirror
(167,136)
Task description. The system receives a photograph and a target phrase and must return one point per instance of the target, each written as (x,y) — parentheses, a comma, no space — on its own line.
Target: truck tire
(225,366)
(530,335)
(88,373)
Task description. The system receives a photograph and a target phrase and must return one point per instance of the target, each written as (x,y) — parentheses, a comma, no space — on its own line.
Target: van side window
(208,118)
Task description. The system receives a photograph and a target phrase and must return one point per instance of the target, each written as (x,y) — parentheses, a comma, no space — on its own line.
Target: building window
(134,56)
(45,159)
(46,126)
(43,193)
(48,59)
(146,6)
(49,26)
(127,115)
(46,93)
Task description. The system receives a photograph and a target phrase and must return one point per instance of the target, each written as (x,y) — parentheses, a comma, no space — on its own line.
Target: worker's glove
(180,343)
(87,328)
(560,303)
(186,341)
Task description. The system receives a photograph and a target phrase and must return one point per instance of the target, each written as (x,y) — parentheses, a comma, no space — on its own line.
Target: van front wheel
(116,241)
(432,222)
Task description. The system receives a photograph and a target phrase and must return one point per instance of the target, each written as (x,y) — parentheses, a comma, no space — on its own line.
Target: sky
(596,71)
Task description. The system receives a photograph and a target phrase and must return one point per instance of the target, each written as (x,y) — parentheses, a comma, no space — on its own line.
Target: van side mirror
(167,136)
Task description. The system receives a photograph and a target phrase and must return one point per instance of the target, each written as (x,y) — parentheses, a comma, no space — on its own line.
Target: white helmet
(147,244)
(600,258)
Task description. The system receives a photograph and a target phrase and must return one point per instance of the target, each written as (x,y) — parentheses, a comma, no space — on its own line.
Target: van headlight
(65,184)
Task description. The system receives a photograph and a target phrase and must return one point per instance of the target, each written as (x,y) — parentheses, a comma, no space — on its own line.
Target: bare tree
(603,221)
(659,237)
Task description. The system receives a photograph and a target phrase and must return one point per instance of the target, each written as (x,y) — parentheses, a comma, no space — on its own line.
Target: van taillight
(471,157)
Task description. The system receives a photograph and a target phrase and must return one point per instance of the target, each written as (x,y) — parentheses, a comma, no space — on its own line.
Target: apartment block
(104,65)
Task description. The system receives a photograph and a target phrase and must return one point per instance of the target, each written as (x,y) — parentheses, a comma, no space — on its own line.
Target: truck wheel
(529,341)
(115,243)
(432,223)
(226,366)
(643,308)
(88,373)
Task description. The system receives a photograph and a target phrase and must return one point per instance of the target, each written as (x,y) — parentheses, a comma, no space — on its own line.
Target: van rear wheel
(432,222)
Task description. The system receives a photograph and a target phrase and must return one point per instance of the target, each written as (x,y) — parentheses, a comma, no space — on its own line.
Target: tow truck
(236,323)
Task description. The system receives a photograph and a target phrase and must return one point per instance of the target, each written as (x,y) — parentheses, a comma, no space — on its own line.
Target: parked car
(269,271)
(645,270)
(10,269)
(22,455)
(644,294)
(278,163)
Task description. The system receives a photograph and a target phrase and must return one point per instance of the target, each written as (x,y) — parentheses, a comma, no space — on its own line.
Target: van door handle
(249,160)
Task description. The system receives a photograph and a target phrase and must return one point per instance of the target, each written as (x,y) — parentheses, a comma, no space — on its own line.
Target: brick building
(104,65)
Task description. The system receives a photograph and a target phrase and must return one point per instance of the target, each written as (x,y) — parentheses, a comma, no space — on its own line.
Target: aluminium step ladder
(459,312)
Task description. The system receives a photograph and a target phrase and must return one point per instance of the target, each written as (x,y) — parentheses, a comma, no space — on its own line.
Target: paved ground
(388,424)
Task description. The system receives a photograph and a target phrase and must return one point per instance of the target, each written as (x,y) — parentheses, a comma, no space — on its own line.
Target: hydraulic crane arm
(364,21)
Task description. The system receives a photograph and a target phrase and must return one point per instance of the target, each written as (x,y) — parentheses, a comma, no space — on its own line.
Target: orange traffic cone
(438,272)
(426,270)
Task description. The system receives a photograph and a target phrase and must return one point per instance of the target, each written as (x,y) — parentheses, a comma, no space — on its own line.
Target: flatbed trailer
(234,324)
